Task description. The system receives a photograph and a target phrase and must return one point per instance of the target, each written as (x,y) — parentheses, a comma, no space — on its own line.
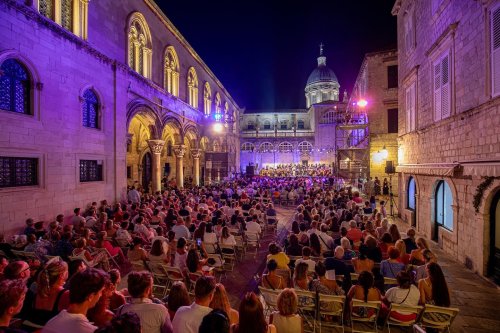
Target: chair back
(173,273)
(252,237)
(307,300)
(157,269)
(438,317)
(406,309)
(371,309)
(219,262)
(210,247)
(270,296)
(331,305)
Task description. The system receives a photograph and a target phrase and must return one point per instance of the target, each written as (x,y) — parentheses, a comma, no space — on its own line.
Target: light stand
(389,170)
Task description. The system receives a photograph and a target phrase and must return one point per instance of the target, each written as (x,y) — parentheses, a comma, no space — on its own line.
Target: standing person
(134,196)
(385,187)
(252,319)
(85,290)
(188,318)
(12,293)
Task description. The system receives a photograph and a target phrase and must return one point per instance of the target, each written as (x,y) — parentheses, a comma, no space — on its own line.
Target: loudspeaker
(250,170)
(389,167)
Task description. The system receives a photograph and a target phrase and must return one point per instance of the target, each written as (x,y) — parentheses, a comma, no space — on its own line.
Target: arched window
(171,71)
(266,147)
(218,108)
(411,193)
(72,15)
(300,124)
(192,83)
(285,147)
(443,202)
(267,124)
(305,146)
(67,14)
(90,109)
(207,99)
(139,45)
(247,146)
(15,87)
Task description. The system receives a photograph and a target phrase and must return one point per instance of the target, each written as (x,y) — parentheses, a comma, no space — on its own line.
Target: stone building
(377,84)
(304,136)
(449,116)
(95,96)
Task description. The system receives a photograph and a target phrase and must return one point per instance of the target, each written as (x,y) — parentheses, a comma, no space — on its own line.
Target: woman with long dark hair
(252,319)
(315,245)
(364,291)
(434,289)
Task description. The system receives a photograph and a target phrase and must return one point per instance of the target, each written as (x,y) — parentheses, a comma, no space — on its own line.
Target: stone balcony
(277,134)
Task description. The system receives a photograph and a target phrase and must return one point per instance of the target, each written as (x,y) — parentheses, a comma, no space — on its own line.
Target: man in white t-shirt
(254,226)
(188,318)
(85,290)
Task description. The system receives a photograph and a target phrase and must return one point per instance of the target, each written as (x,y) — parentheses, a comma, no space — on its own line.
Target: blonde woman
(417,257)
(403,256)
(220,301)
(50,297)
(286,318)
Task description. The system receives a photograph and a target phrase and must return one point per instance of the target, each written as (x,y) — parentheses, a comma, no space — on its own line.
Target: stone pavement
(477,298)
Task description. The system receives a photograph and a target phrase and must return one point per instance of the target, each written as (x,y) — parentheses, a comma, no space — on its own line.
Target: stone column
(179,151)
(156,146)
(196,153)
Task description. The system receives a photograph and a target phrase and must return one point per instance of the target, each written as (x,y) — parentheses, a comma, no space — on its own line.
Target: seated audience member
(277,254)
(369,230)
(362,263)
(123,237)
(74,266)
(177,297)
(12,294)
(181,255)
(434,289)
(188,318)
(29,230)
(253,226)
(338,265)
(286,318)
(50,296)
(86,289)
(417,257)
(315,245)
(294,248)
(421,271)
(343,233)
(410,242)
(125,323)
(103,243)
(221,302)
(404,257)
(354,234)
(252,319)
(346,245)
(404,294)
(137,255)
(216,321)
(363,291)
(323,285)
(272,280)
(383,228)
(209,236)
(301,279)
(384,244)
(181,230)
(98,258)
(63,247)
(154,317)
(227,241)
(370,249)
(306,257)
(16,270)
(194,263)
(158,254)
(116,299)
(392,266)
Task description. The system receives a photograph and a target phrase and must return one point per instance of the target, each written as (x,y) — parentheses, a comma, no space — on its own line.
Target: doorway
(494,259)
(147,171)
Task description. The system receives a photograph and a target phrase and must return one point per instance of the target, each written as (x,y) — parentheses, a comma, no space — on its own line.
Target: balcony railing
(277,134)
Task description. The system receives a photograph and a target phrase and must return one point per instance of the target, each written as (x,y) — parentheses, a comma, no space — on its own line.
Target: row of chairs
(327,311)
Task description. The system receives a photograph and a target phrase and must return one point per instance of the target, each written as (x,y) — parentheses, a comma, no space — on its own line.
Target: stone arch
(455,207)
(147,114)
(191,133)
(172,127)
(485,218)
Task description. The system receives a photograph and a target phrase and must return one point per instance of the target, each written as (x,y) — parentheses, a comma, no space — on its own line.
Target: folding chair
(229,256)
(241,246)
(270,298)
(354,277)
(193,277)
(252,240)
(218,264)
(438,317)
(307,308)
(331,306)
(174,274)
(389,283)
(81,256)
(416,310)
(272,224)
(160,277)
(372,309)
(211,247)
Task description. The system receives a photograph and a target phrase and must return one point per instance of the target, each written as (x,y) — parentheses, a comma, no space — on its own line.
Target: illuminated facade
(92,102)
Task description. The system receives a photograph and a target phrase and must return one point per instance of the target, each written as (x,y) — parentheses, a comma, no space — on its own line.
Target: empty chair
(438,317)
(330,306)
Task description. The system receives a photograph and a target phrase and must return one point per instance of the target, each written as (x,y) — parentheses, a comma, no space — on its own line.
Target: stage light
(362,103)
(218,127)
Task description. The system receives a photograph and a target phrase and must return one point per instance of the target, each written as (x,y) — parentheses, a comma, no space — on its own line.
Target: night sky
(263,51)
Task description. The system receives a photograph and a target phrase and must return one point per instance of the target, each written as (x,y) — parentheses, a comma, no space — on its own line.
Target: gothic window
(266,147)
(207,100)
(442,87)
(443,200)
(251,125)
(15,87)
(285,147)
(300,124)
(139,45)
(18,171)
(247,146)
(90,171)
(218,109)
(46,8)
(305,146)
(90,109)
(67,14)
(495,50)
(171,71)
(411,193)
(267,125)
(192,82)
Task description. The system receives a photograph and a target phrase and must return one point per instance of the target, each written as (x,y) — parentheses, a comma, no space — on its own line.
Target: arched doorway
(494,259)
(411,196)
(147,172)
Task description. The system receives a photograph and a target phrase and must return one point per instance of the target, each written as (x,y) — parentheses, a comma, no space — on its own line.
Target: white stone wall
(469,134)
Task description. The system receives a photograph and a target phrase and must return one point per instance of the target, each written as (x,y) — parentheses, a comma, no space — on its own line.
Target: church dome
(322,73)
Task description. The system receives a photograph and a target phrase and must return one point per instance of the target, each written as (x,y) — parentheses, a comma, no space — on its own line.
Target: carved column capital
(179,150)
(196,153)
(156,146)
